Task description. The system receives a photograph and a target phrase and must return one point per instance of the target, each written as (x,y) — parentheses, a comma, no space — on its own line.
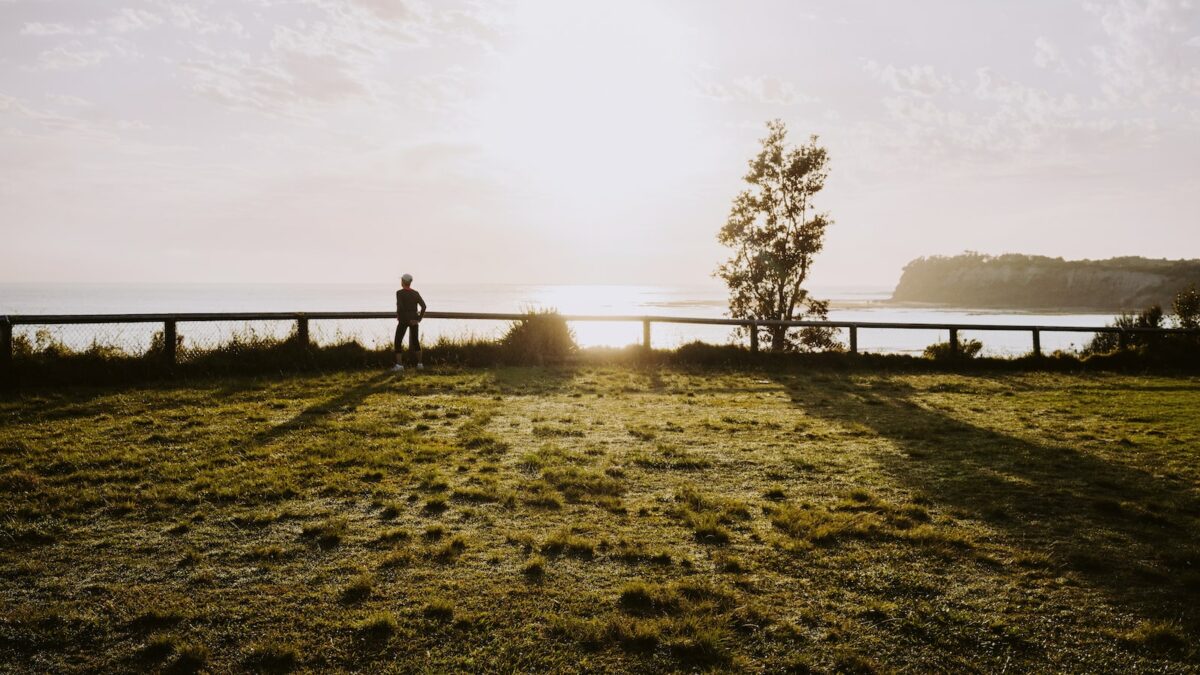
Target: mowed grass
(616,519)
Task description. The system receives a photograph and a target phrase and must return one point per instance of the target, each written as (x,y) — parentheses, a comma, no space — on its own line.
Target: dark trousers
(414,341)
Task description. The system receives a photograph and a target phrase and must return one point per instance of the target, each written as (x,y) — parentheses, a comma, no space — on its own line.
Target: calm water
(863,304)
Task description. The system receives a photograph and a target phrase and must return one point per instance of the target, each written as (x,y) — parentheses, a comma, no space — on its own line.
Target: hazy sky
(558,142)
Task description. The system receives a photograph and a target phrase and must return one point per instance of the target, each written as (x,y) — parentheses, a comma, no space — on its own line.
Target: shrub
(967,349)
(1187,308)
(539,338)
(1172,349)
(1106,343)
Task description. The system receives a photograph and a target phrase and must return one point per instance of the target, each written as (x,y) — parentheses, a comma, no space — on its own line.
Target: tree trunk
(778,338)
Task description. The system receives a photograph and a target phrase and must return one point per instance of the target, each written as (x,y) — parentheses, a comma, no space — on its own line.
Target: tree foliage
(1187,315)
(775,232)
(1187,308)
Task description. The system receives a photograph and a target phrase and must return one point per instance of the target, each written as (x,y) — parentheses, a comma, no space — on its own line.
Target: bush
(1105,343)
(1187,308)
(967,349)
(1169,349)
(540,337)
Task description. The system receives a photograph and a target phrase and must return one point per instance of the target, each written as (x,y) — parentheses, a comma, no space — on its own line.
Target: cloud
(474,25)
(69,100)
(389,10)
(39,29)
(188,17)
(1144,60)
(25,119)
(1127,92)
(127,20)
(1048,57)
(70,56)
(915,80)
(763,89)
(281,85)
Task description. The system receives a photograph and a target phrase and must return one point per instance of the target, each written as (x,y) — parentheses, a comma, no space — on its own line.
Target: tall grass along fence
(167,340)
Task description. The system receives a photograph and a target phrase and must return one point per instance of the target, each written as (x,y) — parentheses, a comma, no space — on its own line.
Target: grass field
(604,518)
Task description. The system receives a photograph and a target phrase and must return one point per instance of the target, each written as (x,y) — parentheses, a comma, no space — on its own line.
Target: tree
(775,232)
(1187,308)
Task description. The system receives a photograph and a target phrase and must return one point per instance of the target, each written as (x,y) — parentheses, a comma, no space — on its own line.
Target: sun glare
(590,106)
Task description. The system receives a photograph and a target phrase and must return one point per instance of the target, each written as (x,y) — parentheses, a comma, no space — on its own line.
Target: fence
(301,322)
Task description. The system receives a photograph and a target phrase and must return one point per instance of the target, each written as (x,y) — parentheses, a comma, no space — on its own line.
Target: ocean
(709,301)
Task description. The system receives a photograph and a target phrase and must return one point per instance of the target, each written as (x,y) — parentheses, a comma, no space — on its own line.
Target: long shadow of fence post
(1130,534)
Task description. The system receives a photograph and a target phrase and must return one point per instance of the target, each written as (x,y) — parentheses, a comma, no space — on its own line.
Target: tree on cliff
(775,232)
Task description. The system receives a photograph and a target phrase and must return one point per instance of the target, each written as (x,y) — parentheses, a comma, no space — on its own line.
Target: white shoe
(397,368)
(420,366)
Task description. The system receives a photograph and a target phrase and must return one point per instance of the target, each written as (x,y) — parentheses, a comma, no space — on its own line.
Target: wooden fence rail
(170,323)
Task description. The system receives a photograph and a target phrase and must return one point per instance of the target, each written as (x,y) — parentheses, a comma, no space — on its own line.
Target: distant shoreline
(955,307)
(1014,282)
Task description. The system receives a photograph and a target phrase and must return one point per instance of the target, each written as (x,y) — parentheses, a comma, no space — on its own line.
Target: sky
(547,141)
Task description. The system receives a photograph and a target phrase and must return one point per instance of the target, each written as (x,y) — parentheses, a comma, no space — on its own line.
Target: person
(408,318)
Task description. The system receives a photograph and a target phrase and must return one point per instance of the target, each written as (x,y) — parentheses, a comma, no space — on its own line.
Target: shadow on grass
(1122,530)
(345,401)
(537,380)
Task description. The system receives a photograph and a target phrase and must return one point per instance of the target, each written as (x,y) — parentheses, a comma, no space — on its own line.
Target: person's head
(406,280)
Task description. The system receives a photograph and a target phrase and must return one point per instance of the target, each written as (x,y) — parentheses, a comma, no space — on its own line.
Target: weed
(637,552)
(707,528)
(438,609)
(358,589)
(449,550)
(535,567)
(1156,636)
(639,597)
(273,658)
(155,619)
(378,625)
(396,559)
(268,552)
(190,658)
(158,648)
(565,542)
(394,534)
(775,493)
(575,483)
(642,433)
(326,534)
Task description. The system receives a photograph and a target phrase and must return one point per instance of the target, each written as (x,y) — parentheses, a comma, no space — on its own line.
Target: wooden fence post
(302,330)
(753,337)
(169,340)
(954,341)
(853,339)
(1122,340)
(1037,342)
(646,335)
(6,351)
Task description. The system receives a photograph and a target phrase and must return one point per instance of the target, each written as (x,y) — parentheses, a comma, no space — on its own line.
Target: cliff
(1015,281)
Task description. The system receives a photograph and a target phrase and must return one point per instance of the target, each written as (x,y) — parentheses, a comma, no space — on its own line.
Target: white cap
(407,278)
